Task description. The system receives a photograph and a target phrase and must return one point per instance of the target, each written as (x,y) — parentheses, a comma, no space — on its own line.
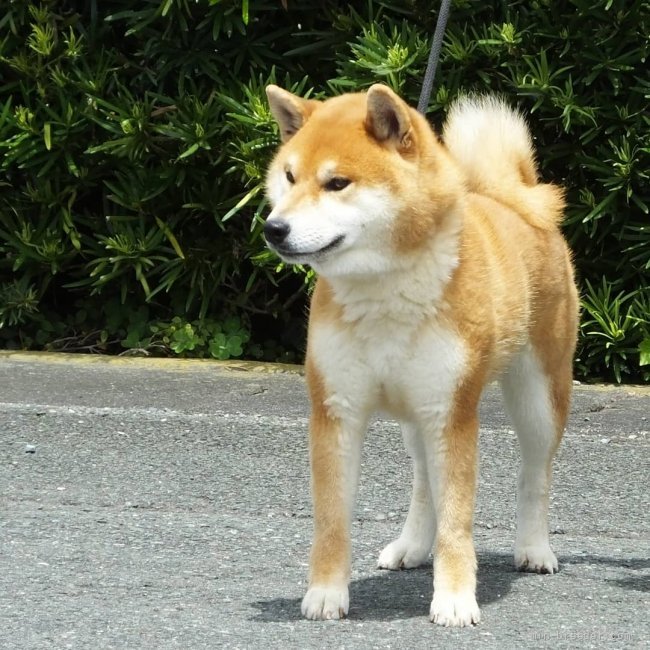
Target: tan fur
(512,287)
(330,559)
(510,177)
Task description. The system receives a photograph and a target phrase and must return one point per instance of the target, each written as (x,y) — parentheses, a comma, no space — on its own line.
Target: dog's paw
(536,558)
(323,603)
(402,554)
(454,609)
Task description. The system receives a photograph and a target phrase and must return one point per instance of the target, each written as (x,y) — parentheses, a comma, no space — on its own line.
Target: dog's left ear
(388,116)
(289,110)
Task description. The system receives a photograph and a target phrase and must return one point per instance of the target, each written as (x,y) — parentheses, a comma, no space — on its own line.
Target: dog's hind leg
(536,396)
(413,547)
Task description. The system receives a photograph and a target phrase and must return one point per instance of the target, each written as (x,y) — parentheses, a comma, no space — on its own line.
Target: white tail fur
(492,144)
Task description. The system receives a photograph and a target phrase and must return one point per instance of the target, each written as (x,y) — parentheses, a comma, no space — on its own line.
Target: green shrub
(135,136)
(133,164)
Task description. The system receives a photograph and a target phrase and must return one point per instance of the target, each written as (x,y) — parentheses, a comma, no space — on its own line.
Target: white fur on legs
(454,609)
(326,602)
(454,563)
(526,395)
(413,546)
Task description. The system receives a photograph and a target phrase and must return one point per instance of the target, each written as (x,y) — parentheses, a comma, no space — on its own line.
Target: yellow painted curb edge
(153,363)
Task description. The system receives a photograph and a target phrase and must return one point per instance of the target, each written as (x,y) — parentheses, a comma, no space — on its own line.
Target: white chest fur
(389,351)
(412,377)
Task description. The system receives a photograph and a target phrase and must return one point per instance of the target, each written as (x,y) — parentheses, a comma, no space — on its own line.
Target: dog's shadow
(390,595)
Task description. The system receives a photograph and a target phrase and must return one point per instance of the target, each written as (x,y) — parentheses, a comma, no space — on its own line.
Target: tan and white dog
(441,267)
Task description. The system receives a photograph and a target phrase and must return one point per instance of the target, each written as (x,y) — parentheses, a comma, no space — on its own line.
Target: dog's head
(346,185)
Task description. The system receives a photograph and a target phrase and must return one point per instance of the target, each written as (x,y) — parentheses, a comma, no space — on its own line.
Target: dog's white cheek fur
(363,215)
(277,185)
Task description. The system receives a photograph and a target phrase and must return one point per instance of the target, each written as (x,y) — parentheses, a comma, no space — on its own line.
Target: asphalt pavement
(165,504)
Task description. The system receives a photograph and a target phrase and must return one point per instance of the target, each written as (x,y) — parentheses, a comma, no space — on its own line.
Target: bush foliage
(135,135)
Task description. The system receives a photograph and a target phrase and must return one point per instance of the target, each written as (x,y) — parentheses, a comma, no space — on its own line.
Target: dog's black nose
(276,230)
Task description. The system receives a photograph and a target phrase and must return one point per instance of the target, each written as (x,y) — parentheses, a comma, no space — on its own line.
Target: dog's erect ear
(388,116)
(290,111)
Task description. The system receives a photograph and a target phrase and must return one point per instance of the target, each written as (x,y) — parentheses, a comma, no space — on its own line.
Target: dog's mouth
(291,254)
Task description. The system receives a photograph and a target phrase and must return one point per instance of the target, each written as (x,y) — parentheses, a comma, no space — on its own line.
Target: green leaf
(235,346)
(5,111)
(47,135)
(170,236)
(242,202)
(166,7)
(219,347)
(644,350)
(192,149)
(184,339)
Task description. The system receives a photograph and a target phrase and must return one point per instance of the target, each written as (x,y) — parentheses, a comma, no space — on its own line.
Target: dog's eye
(337,184)
(290,177)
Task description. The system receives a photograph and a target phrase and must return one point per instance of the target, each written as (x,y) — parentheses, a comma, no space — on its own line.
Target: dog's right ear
(290,111)
(388,116)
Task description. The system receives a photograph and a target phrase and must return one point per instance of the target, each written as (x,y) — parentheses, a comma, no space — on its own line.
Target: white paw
(454,609)
(402,554)
(324,603)
(537,558)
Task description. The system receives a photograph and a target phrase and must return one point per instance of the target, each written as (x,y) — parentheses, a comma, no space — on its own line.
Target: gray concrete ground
(154,504)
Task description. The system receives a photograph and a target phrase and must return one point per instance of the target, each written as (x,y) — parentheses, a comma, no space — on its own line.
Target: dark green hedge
(134,138)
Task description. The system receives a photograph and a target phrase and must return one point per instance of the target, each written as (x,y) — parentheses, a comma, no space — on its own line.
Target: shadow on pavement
(394,595)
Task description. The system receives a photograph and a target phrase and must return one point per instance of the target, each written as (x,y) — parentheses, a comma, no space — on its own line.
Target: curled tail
(493,146)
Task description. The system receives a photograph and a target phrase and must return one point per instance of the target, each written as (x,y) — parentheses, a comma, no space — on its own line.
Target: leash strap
(434,56)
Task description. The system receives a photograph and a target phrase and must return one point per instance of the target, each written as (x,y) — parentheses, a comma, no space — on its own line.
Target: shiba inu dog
(441,267)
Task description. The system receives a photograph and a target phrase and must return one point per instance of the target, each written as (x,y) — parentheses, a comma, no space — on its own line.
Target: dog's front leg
(335,458)
(451,455)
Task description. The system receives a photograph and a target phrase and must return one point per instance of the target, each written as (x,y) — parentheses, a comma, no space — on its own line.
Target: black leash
(434,56)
